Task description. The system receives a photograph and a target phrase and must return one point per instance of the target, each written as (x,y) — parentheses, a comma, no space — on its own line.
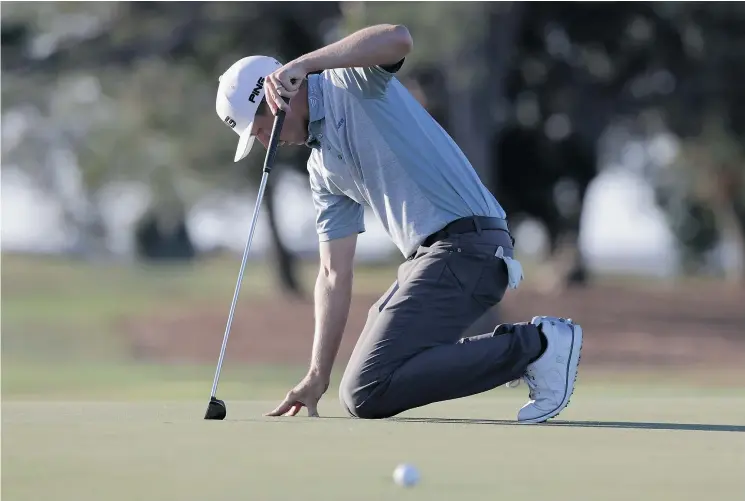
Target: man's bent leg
(410,354)
(473,365)
(358,354)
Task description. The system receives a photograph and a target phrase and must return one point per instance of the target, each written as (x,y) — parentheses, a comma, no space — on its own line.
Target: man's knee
(361,400)
(346,399)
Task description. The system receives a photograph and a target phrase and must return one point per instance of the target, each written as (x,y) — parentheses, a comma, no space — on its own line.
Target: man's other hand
(306,394)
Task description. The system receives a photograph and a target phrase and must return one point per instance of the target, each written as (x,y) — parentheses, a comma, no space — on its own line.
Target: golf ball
(406,475)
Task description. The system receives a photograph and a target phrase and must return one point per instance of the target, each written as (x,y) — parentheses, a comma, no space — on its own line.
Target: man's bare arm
(333,294)
(379,45)
(383,44)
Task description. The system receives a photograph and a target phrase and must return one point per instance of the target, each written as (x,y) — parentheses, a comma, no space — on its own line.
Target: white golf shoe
(551,378)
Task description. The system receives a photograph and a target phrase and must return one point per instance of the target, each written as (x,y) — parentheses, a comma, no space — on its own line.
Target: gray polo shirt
(375,145)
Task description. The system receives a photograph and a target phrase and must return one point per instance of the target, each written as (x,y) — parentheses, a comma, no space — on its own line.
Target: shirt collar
(316,111)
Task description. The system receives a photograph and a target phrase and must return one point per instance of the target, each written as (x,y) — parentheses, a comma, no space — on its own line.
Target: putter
(216,409)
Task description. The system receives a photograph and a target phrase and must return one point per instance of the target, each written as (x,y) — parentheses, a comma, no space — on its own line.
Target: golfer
(374,145)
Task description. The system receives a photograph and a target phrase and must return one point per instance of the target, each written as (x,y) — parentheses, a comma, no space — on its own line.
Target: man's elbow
(404,42)
(337,260)
(336,277)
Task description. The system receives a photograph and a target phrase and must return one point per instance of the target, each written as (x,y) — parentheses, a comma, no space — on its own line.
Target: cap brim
(245,143)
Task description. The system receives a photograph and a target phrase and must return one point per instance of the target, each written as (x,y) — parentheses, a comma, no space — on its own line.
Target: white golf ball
(406,475)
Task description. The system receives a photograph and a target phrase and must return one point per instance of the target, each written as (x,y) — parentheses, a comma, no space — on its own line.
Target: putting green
(609,446)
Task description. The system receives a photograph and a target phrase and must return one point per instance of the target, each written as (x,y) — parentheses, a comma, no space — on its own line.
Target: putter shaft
(268,164)
(262,187)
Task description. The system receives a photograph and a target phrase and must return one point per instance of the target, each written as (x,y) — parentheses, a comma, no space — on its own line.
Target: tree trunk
(731,221)
(285,261)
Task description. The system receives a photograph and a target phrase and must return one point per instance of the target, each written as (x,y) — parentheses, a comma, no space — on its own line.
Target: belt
(468,225)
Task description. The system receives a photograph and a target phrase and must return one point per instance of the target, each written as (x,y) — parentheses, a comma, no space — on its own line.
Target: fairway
(606,445)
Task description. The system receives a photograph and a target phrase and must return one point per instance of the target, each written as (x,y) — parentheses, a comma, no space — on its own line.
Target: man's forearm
(383,44)
(333,296)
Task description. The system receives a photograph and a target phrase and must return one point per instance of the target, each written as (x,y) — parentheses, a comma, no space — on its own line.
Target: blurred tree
(703,196)
(574,69)
(707,178)
(125,91)
(155,66)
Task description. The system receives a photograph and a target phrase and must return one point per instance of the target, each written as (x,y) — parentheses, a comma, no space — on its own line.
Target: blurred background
(612,133)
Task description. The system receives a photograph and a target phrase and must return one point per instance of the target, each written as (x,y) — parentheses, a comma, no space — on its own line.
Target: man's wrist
(308,63)
(319,374)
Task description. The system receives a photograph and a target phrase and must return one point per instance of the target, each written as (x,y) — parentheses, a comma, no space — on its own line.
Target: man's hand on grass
(306,394)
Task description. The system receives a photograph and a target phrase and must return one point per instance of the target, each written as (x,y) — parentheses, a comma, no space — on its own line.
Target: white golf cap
(239,94)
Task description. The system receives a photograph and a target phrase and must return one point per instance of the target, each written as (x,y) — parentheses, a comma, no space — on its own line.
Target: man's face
(294,129)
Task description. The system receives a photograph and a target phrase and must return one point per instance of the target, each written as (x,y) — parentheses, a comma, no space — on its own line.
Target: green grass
(56,308)
(144,381)
(39,279)
(164,450)
(126,382)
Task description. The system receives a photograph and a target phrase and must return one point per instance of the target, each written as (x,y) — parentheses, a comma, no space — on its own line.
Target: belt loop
(477,225)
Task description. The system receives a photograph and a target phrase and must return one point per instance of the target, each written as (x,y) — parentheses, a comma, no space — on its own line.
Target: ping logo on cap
(230,122)
(257,89)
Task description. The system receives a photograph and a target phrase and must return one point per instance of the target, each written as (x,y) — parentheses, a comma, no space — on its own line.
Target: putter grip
(271,152)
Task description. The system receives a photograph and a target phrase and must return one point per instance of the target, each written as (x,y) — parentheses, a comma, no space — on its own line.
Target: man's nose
(263,138)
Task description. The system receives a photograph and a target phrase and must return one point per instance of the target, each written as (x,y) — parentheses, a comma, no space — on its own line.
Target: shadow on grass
(628,425)
(585,424)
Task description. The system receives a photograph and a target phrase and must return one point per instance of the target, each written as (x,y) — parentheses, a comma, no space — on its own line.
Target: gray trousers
(411,352)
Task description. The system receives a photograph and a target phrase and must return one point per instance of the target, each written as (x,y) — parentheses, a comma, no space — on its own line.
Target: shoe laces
(530,381)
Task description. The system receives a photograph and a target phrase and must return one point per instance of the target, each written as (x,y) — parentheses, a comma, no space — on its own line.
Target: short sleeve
(367,82)
(337,216)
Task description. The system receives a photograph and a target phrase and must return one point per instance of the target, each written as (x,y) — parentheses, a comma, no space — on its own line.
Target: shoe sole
(575,355)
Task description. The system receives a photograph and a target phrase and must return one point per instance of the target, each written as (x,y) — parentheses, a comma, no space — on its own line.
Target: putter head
(216,410)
